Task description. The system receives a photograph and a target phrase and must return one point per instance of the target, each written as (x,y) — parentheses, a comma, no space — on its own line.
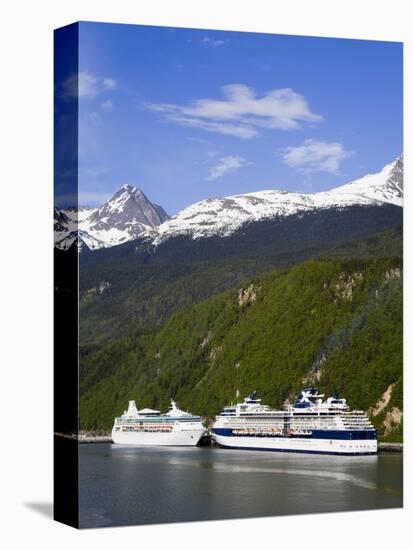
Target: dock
(390,447)
(94,439)
(86,437)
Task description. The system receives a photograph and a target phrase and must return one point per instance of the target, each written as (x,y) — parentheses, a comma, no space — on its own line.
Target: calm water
(121,485)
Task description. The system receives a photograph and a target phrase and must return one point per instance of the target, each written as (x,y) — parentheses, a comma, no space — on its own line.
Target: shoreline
(382,447)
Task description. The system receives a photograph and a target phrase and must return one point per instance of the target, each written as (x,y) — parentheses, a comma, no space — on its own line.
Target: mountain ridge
(225,215)
(129,214)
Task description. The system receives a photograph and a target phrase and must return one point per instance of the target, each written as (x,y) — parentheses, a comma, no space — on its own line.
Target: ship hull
(185,438)
(299,445)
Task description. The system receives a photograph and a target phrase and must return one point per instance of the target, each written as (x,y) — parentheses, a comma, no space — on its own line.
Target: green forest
(136,287)
(330,321)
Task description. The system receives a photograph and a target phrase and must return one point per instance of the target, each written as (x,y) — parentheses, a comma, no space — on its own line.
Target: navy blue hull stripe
(301,451)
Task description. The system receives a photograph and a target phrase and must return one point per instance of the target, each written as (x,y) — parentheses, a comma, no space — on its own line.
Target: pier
(390,447)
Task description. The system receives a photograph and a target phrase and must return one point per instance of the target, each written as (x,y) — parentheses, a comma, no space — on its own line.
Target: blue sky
(189,114)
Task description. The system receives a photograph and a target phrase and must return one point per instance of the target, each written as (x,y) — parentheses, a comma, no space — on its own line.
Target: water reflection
(123,485)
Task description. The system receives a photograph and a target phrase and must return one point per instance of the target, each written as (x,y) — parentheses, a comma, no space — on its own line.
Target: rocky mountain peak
(130,189)
(128,206)
(395,179)
(385,186)
(125,216)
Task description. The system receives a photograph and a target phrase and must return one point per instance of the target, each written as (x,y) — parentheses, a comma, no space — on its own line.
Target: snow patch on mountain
(385,186)
(224,216)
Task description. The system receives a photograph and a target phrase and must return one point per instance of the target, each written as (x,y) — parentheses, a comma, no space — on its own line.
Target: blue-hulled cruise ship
(311,425)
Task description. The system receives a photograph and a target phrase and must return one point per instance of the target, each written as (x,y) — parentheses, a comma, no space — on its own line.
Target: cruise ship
(148,427)
(311,425)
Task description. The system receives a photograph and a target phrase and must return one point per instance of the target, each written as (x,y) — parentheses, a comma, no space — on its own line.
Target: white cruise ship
(150,427)
(311,425)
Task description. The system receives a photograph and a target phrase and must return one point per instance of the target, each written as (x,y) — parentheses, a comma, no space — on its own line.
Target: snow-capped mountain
(130,214)
(127,215)
(224,216)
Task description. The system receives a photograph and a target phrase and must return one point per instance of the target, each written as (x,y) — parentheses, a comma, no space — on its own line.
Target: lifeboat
(299,432)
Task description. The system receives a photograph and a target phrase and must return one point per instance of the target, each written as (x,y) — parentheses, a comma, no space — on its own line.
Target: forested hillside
(137,287)
(333,322)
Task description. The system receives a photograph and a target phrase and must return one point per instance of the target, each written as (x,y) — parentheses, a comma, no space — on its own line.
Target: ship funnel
(132,410)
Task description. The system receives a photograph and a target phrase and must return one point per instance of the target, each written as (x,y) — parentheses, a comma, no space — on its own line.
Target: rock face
(343,288)
(61,221)
(246,295)
(395,179)
(99,289)
(392,420)
(383,401)
(126,216)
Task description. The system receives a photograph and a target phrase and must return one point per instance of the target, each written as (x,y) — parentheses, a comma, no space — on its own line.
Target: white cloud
(316,156)
(241,113)
(107,105)
(226,165)
(212,42)
(241,131)
(87,85)
(109,83)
